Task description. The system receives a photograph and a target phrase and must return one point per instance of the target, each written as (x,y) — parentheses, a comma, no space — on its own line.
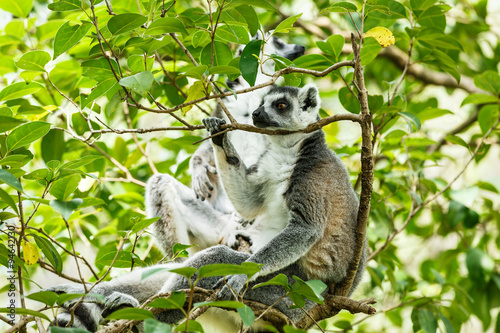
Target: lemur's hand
(203,177)
(213,126)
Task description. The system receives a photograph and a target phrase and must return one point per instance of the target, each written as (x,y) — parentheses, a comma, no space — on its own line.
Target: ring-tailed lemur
(185,216)
(304,208)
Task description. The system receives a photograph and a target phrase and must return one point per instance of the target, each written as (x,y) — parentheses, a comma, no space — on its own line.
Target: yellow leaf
(383,36)
(197,90)
(30,253)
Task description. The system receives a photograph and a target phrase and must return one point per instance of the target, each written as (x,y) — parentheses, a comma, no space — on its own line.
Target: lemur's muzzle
(298,51)
(261,119)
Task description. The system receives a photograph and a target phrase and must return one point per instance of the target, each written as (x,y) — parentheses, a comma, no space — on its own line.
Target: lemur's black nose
(257,113)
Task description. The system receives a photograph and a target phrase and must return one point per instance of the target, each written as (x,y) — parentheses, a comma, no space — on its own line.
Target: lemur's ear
(309,97)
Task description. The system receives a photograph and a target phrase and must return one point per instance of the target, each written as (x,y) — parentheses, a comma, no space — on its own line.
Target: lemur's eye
(281,106)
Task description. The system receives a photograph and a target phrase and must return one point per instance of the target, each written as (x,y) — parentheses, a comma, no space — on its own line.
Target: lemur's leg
(129,290)
(184,218)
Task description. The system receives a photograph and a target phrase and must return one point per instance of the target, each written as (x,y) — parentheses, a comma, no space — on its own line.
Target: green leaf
(123,259)
(287,24)
(166,25)
(479,99)
(247,268)
(50,252)
(8,199)
(187,272)
(311,289)
(431,113)
(480,266)
(222,55)
(427,321)
(78,163)
(228,70)
(137,63)
(123,23)
(232,34)
(20,8)
(343,7)
(197,72)
(99,90)
(421,4)
(8,123)
(249,62)
(26,134)
(278,280)
(487,117)
(62,188)
(175,301)
(140,83)
(9,179)
(34,61)
(143,224)
(197,90)
(349,101)
(371,48)
(68,36)
(337,43)
(396,10)
(53,145)
(184,165)
(447,324)
(155,326)
(131,314)
(251,18)
(457,140)
(22,311)
(313,61)
(412,121)
(18,90)
(99,69)
(46,297)
(247,316)
(192,326)
(65,208)
(65,5)
(179,250)
(201,38)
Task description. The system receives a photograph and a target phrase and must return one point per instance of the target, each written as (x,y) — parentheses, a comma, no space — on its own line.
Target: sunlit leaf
(68,36)
(34,61)
(30,253)
(19,89)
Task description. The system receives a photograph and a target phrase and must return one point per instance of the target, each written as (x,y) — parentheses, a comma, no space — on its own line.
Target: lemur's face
(282,49)
(288,108)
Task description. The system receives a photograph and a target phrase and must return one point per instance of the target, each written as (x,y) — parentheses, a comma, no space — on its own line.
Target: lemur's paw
(117,301)
(213,124)
(235,243)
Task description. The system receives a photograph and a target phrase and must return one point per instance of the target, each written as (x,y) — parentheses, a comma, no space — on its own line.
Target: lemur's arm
(203,171)
(241,190)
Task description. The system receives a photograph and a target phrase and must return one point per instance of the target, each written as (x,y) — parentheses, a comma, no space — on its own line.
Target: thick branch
(344,287)
(332,305)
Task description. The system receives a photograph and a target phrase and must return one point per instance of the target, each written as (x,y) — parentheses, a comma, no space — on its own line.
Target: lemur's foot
(213,126)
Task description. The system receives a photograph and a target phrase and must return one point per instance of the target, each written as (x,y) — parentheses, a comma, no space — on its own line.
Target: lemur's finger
(211,169)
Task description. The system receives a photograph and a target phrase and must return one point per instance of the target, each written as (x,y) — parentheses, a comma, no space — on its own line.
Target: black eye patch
(281,104)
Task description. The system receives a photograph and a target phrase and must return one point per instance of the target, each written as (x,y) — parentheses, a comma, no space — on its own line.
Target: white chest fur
(275,170)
